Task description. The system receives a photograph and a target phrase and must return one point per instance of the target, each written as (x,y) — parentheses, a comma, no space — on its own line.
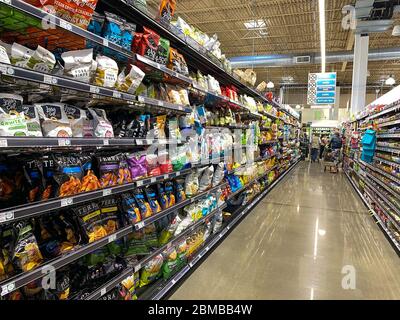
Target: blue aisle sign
(321,88)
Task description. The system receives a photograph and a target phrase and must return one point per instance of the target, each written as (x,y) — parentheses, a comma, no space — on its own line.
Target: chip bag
(89,217)
(68,175)
(55,122)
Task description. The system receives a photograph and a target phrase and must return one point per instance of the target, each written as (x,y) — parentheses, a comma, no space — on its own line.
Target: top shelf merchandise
(121,143)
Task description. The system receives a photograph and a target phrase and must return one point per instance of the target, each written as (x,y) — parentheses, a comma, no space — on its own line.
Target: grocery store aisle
(295,243)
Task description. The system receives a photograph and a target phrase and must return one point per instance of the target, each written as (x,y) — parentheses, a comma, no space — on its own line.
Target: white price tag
(139,225)
(178,174)
(117,94)
(3,69)
(141,99)
(207,249)
(106,192)
(3,143)
(221,235)
(94,89)
(228,227)
(6,216)
(158,66)
(48,79)
(139,142)
(152,180)
(10,70)
(103,291)
(160,103)
(7,288)
(191,264)
(6,1)
(166,176)
(112,238)
(139,183)
(105,42)
(173,281)
(66,202)
(106,142)
(64,142)
(137,268)
(65,25)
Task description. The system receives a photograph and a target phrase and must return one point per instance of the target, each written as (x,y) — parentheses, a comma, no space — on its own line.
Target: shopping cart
(331,159)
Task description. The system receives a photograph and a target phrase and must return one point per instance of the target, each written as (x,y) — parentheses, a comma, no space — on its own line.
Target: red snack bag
(149,45)
(136,41)
(84,12)
(166,167)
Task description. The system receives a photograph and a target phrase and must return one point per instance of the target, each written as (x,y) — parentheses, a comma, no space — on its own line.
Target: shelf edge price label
(112,238)
(160,103)
(139,225)
(6,1)
(64,142)
(139,183)
(106,192)
(7,288)
(117,94)
(65,25)
(152,180)
(106,142)
(66,202)
(140,99)
(137,268)
(94,89)
(6,216)
(103,292)
(49,79)
(3,143)
(105,42)
(3,69)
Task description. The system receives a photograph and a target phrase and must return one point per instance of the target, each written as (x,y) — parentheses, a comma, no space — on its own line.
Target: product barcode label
(103,291)
(140,99)
(66,202)
(166,176)
(6,1)
(207,249)
(65,25)
(112,238)
(64,142)
(6,216)
(105,42)
(152,180)
(94,89)
(7,288)
(139,183)
(106,192)
(3,143)
(117,94)
(139,142)
(173,281)
(160,103)
(106,142)
(158,66)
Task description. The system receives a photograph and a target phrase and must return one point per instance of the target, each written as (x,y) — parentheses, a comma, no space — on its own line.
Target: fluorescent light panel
(322,32)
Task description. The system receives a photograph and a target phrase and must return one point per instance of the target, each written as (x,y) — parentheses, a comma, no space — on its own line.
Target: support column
(334,112)
(360,70)
(281,95)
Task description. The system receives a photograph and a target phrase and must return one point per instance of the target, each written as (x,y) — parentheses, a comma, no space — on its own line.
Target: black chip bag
(6,241)
(130,208)
(33,179)
(109,214)
(108,170)
(144,206)
(68,175)
(49,185)
(89,218)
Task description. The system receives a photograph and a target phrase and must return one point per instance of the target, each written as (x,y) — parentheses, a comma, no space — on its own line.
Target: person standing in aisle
(314,148)
(336,144)
(322,145)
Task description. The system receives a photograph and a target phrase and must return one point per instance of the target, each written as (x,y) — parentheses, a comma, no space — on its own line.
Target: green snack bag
(136,245)
(170,266)
(151,271)
(151,238)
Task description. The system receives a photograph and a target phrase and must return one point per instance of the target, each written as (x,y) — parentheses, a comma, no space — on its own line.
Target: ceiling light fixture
(322,33)
(270,85)
(298,107)
(255,24)
(390,81)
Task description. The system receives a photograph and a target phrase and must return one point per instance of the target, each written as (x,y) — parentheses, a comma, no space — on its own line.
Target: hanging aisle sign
(321,88)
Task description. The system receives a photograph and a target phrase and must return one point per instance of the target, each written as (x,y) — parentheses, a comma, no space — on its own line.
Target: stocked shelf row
(29,210)
(386,231)
(390,163)
(385,174)
(97,294)
(162,290)
(387,149)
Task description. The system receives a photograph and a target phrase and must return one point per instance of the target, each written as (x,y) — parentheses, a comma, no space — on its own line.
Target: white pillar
(334,112)
(360,70)
(281,95)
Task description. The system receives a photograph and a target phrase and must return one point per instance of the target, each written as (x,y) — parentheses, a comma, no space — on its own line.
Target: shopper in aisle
(322,145)
(336,144)
(315,145)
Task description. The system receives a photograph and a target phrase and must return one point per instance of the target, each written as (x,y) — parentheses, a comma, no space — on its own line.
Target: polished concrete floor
(295,245)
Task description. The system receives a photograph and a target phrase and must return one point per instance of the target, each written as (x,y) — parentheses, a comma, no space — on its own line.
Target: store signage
(321,88)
